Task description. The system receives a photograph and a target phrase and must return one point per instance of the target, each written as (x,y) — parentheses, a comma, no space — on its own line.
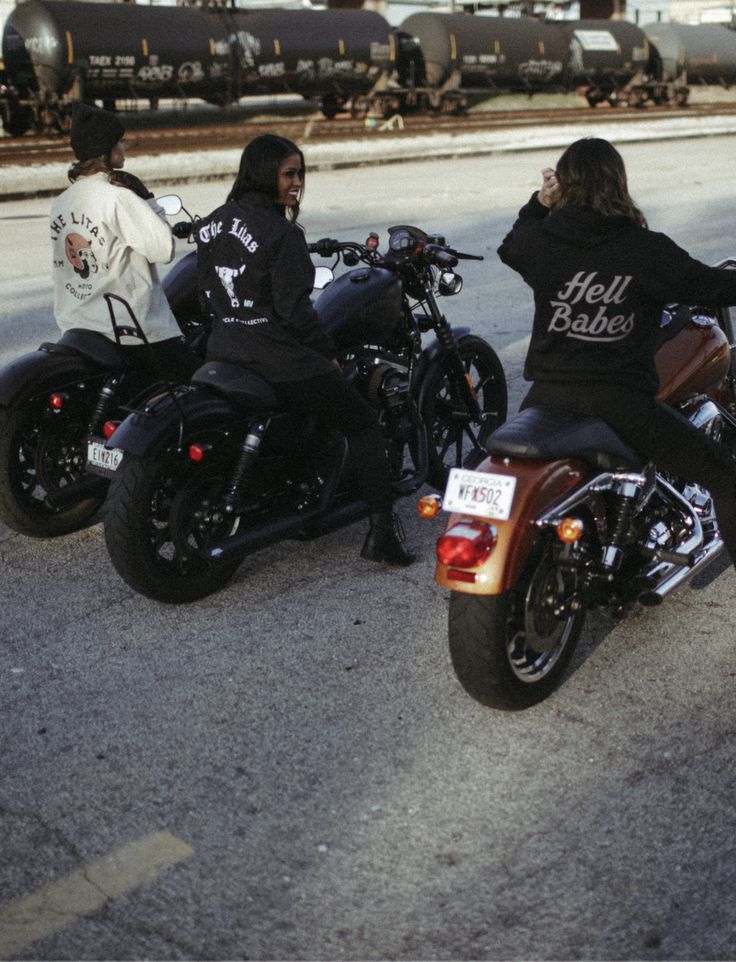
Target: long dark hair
(259,168)
(591,173)
(84,168)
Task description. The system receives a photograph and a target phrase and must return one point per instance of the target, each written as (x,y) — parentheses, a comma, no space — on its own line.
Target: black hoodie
(600,284)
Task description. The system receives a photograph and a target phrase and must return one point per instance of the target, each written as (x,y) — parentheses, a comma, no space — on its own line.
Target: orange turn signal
(570,530)
(429,506)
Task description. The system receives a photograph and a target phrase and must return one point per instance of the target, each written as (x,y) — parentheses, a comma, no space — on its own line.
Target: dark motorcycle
(562,518)
(216,470)
(54,405)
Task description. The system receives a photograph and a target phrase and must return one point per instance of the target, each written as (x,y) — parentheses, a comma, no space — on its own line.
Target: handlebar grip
(182,229)
(444,259)
(325,247)
(468,257)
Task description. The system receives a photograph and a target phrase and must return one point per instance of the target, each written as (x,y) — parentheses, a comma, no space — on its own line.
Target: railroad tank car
(703,54)
(607,57)
(331,55)
(59,50)
(469,51)
(56,50)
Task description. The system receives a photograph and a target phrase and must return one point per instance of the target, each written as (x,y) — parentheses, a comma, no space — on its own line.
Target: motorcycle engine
(386,386)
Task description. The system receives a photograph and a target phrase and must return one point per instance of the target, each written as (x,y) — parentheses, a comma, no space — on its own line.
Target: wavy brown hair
(84,168)
(591,173)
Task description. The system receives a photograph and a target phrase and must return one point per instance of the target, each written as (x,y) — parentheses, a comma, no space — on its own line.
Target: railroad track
(36,149)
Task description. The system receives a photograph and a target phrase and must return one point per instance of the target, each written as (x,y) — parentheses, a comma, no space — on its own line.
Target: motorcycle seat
(543,434)
(241,386)
(90,344)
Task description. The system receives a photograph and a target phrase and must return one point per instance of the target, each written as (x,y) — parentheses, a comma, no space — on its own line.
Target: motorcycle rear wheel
(455,439)
(510,651)
(161,515)
(41,454)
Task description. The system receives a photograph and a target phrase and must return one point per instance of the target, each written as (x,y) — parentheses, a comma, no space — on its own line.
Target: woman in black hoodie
(601,279)
(256,277)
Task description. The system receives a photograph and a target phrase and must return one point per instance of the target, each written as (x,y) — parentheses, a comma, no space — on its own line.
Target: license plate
(102,460)
(480,494)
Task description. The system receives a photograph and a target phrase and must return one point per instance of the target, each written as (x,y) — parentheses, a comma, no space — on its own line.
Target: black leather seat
(92,345)
(243,387)
(544,434)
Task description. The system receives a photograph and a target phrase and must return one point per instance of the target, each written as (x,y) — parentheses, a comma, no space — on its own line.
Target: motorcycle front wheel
(43,454)
(162,514)
(510,651)
(456,438)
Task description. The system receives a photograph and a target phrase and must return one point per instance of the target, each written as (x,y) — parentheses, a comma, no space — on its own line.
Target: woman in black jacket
(601,279)
(256,276)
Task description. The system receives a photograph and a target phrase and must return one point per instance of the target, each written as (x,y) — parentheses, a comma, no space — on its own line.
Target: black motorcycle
(59,403)
(216,470)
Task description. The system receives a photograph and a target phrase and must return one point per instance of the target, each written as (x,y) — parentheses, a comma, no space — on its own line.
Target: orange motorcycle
(562,517)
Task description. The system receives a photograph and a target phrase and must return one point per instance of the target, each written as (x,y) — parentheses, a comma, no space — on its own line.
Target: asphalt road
(289,769)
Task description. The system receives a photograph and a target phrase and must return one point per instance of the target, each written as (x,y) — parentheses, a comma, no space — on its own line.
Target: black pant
(658,433)
(337,403)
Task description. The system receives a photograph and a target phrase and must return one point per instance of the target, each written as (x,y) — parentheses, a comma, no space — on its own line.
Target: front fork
(461,388)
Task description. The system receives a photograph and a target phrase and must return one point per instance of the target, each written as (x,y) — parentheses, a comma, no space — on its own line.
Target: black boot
(385,540)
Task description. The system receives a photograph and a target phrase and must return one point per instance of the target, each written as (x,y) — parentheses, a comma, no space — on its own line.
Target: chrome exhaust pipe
(680,575)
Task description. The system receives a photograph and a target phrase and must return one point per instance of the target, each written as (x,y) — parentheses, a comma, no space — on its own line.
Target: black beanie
(94,131)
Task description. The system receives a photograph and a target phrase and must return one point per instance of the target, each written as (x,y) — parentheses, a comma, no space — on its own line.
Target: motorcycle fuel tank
(361,307)
(694,361)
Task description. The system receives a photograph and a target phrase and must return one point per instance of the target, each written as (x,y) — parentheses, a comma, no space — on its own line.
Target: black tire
(41,453)
(455,440)
(162,512)
(510,651)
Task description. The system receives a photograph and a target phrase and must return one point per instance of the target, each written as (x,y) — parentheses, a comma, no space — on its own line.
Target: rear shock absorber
(246,461)
(624,497)
(104,401)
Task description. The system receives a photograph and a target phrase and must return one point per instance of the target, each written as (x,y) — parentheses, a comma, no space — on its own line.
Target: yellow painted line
(88,889)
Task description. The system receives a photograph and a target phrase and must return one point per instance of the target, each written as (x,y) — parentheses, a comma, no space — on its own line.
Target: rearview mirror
(322,277)
(171,204)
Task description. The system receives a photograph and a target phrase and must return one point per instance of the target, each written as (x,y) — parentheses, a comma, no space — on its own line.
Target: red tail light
(108,428)
(196,452)
(56,401)
(466,544)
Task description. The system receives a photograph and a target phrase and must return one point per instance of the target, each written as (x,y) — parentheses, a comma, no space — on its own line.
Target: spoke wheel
(456,439)
(41,454)
(162,515)
(511,650)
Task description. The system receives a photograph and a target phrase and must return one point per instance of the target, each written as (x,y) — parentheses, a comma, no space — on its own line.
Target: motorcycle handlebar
(467,257)
(325,247)
(182,229)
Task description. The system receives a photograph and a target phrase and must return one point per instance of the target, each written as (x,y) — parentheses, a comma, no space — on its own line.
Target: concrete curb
(376,148)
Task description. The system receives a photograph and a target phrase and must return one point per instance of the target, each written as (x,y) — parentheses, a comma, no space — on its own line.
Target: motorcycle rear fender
(38,371)
(539,485)
(159,419)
